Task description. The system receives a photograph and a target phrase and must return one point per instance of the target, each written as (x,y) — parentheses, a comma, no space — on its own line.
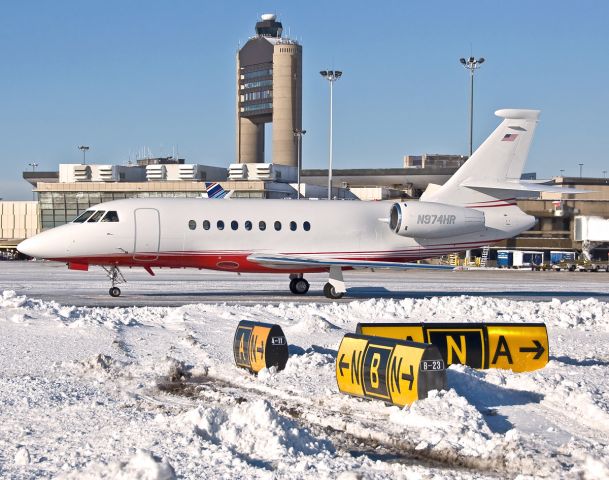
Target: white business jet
(475,207)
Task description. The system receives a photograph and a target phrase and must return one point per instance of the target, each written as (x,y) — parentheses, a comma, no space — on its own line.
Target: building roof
(34,177)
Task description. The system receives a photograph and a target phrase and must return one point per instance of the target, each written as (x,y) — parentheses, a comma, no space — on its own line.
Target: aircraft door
(147,234)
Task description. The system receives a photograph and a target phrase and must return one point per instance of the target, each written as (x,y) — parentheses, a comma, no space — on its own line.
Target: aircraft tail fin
(493,171)
(215,190)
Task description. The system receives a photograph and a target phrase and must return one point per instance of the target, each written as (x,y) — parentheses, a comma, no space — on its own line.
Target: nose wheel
(116,278)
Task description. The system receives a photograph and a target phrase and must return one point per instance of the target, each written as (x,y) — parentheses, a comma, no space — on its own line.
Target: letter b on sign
(375,366)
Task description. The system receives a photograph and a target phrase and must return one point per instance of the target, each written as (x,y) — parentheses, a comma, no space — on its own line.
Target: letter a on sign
(518,347)
(503,350)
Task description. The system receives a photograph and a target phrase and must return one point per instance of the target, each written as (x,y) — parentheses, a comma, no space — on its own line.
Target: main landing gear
(334,289)
(298,284)
(330,292)
(116,278)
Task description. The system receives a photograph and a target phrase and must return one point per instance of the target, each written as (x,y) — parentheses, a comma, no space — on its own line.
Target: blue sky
(120,75)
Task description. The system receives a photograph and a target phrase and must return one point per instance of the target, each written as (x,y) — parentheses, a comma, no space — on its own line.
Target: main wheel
(330,292)
(115,292)
(299,286)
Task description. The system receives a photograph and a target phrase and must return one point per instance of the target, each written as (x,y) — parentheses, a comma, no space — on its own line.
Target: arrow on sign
(409,377)
(537,349)
(342,365)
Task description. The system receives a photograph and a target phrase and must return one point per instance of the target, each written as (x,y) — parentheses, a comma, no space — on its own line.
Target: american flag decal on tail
(509,137)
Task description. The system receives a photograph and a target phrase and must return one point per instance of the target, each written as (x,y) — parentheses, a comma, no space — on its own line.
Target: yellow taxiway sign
(520,347)
(259,345)
(395,371)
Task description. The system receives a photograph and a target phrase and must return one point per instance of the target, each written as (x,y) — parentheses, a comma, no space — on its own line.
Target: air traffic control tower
(269,89)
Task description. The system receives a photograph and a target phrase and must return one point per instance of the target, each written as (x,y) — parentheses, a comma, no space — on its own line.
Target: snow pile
(22,457)
(100,367)
(581,314)
(313,318)
(10,299)
(446,421)
(254,429)
(70,316)
(312,324)
(578,397)
(141,466)
(312,359)
(594,469)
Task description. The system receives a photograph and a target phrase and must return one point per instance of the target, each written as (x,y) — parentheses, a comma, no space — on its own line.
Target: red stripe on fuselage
(238,262)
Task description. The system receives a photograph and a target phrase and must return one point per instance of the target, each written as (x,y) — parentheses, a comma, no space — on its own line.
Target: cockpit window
(83,216)
(96,216)
(111,216)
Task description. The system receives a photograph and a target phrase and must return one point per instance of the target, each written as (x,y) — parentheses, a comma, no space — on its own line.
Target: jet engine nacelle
(434,220)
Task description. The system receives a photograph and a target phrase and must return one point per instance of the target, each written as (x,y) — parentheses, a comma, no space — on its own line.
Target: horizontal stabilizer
(287,261)
(518,187)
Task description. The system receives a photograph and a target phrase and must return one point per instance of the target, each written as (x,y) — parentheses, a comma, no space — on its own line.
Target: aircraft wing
(282,261)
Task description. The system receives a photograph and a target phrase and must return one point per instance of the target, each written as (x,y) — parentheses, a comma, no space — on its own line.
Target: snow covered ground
(152,393)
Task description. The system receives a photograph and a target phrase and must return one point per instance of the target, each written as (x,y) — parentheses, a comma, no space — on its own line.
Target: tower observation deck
(269,90)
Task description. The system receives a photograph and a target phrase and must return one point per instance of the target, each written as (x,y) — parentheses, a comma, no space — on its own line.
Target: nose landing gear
(116,278)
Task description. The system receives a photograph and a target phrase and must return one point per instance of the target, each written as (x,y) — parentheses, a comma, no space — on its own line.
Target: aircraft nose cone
(30,247)
(50,244)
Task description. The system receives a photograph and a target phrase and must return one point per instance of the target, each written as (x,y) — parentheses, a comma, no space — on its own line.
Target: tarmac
(175,287)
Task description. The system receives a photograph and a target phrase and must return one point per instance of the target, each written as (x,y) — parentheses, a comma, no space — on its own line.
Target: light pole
(604,173)
(580,169)
(331,76)
(33,165)
(298,133)
(471,64)
(84,149)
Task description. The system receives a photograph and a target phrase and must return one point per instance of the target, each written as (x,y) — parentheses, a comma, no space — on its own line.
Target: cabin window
(84,216)
(192,224)
(206,225)
(96,216)
(234,224)
(293,226)
(262,225)
(111,216)
(277,225)
(306,226)
(248,225)
(220,225)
